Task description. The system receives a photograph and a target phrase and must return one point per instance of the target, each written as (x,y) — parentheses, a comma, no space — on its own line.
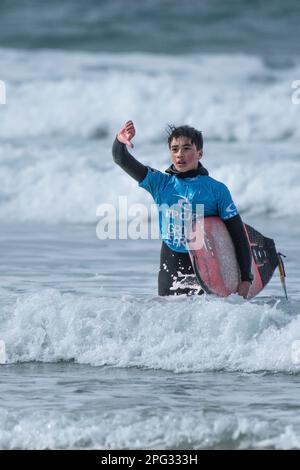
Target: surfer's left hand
(244,288)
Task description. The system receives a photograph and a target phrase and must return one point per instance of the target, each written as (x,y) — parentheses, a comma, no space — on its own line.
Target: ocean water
(94,358)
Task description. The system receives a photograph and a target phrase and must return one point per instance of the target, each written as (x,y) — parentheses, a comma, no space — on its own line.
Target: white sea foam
(126,429)
(59,123)
(65,183)
(177,334)
(231,97)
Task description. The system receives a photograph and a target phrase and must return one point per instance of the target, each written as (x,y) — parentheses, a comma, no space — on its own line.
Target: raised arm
(123,158)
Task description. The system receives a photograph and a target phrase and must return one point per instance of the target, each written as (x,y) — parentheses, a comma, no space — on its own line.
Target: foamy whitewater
(59,123)
(94,358)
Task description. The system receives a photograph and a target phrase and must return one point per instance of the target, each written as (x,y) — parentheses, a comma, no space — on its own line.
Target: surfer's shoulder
(212,181)
(217,187)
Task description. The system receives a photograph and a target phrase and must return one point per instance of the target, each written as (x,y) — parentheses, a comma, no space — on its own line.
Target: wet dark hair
(185,131)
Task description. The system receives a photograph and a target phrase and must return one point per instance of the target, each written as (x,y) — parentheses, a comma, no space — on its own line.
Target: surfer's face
(185,155)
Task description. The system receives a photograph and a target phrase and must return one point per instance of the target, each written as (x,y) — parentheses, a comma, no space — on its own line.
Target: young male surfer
(186,179)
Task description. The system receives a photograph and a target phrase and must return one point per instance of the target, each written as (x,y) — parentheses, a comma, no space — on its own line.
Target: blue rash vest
(168,190)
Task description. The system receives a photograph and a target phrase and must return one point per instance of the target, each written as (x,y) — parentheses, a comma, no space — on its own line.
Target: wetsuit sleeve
(237,232)
(127,162)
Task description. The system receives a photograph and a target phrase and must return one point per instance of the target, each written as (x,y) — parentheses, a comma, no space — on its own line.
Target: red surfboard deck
(215,263)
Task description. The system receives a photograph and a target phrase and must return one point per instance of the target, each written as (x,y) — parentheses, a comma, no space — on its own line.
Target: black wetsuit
(176,274)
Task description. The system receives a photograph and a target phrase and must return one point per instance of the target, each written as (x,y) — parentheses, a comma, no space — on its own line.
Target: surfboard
(215,262)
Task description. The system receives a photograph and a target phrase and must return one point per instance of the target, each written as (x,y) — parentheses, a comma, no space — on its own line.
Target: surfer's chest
(189,190)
